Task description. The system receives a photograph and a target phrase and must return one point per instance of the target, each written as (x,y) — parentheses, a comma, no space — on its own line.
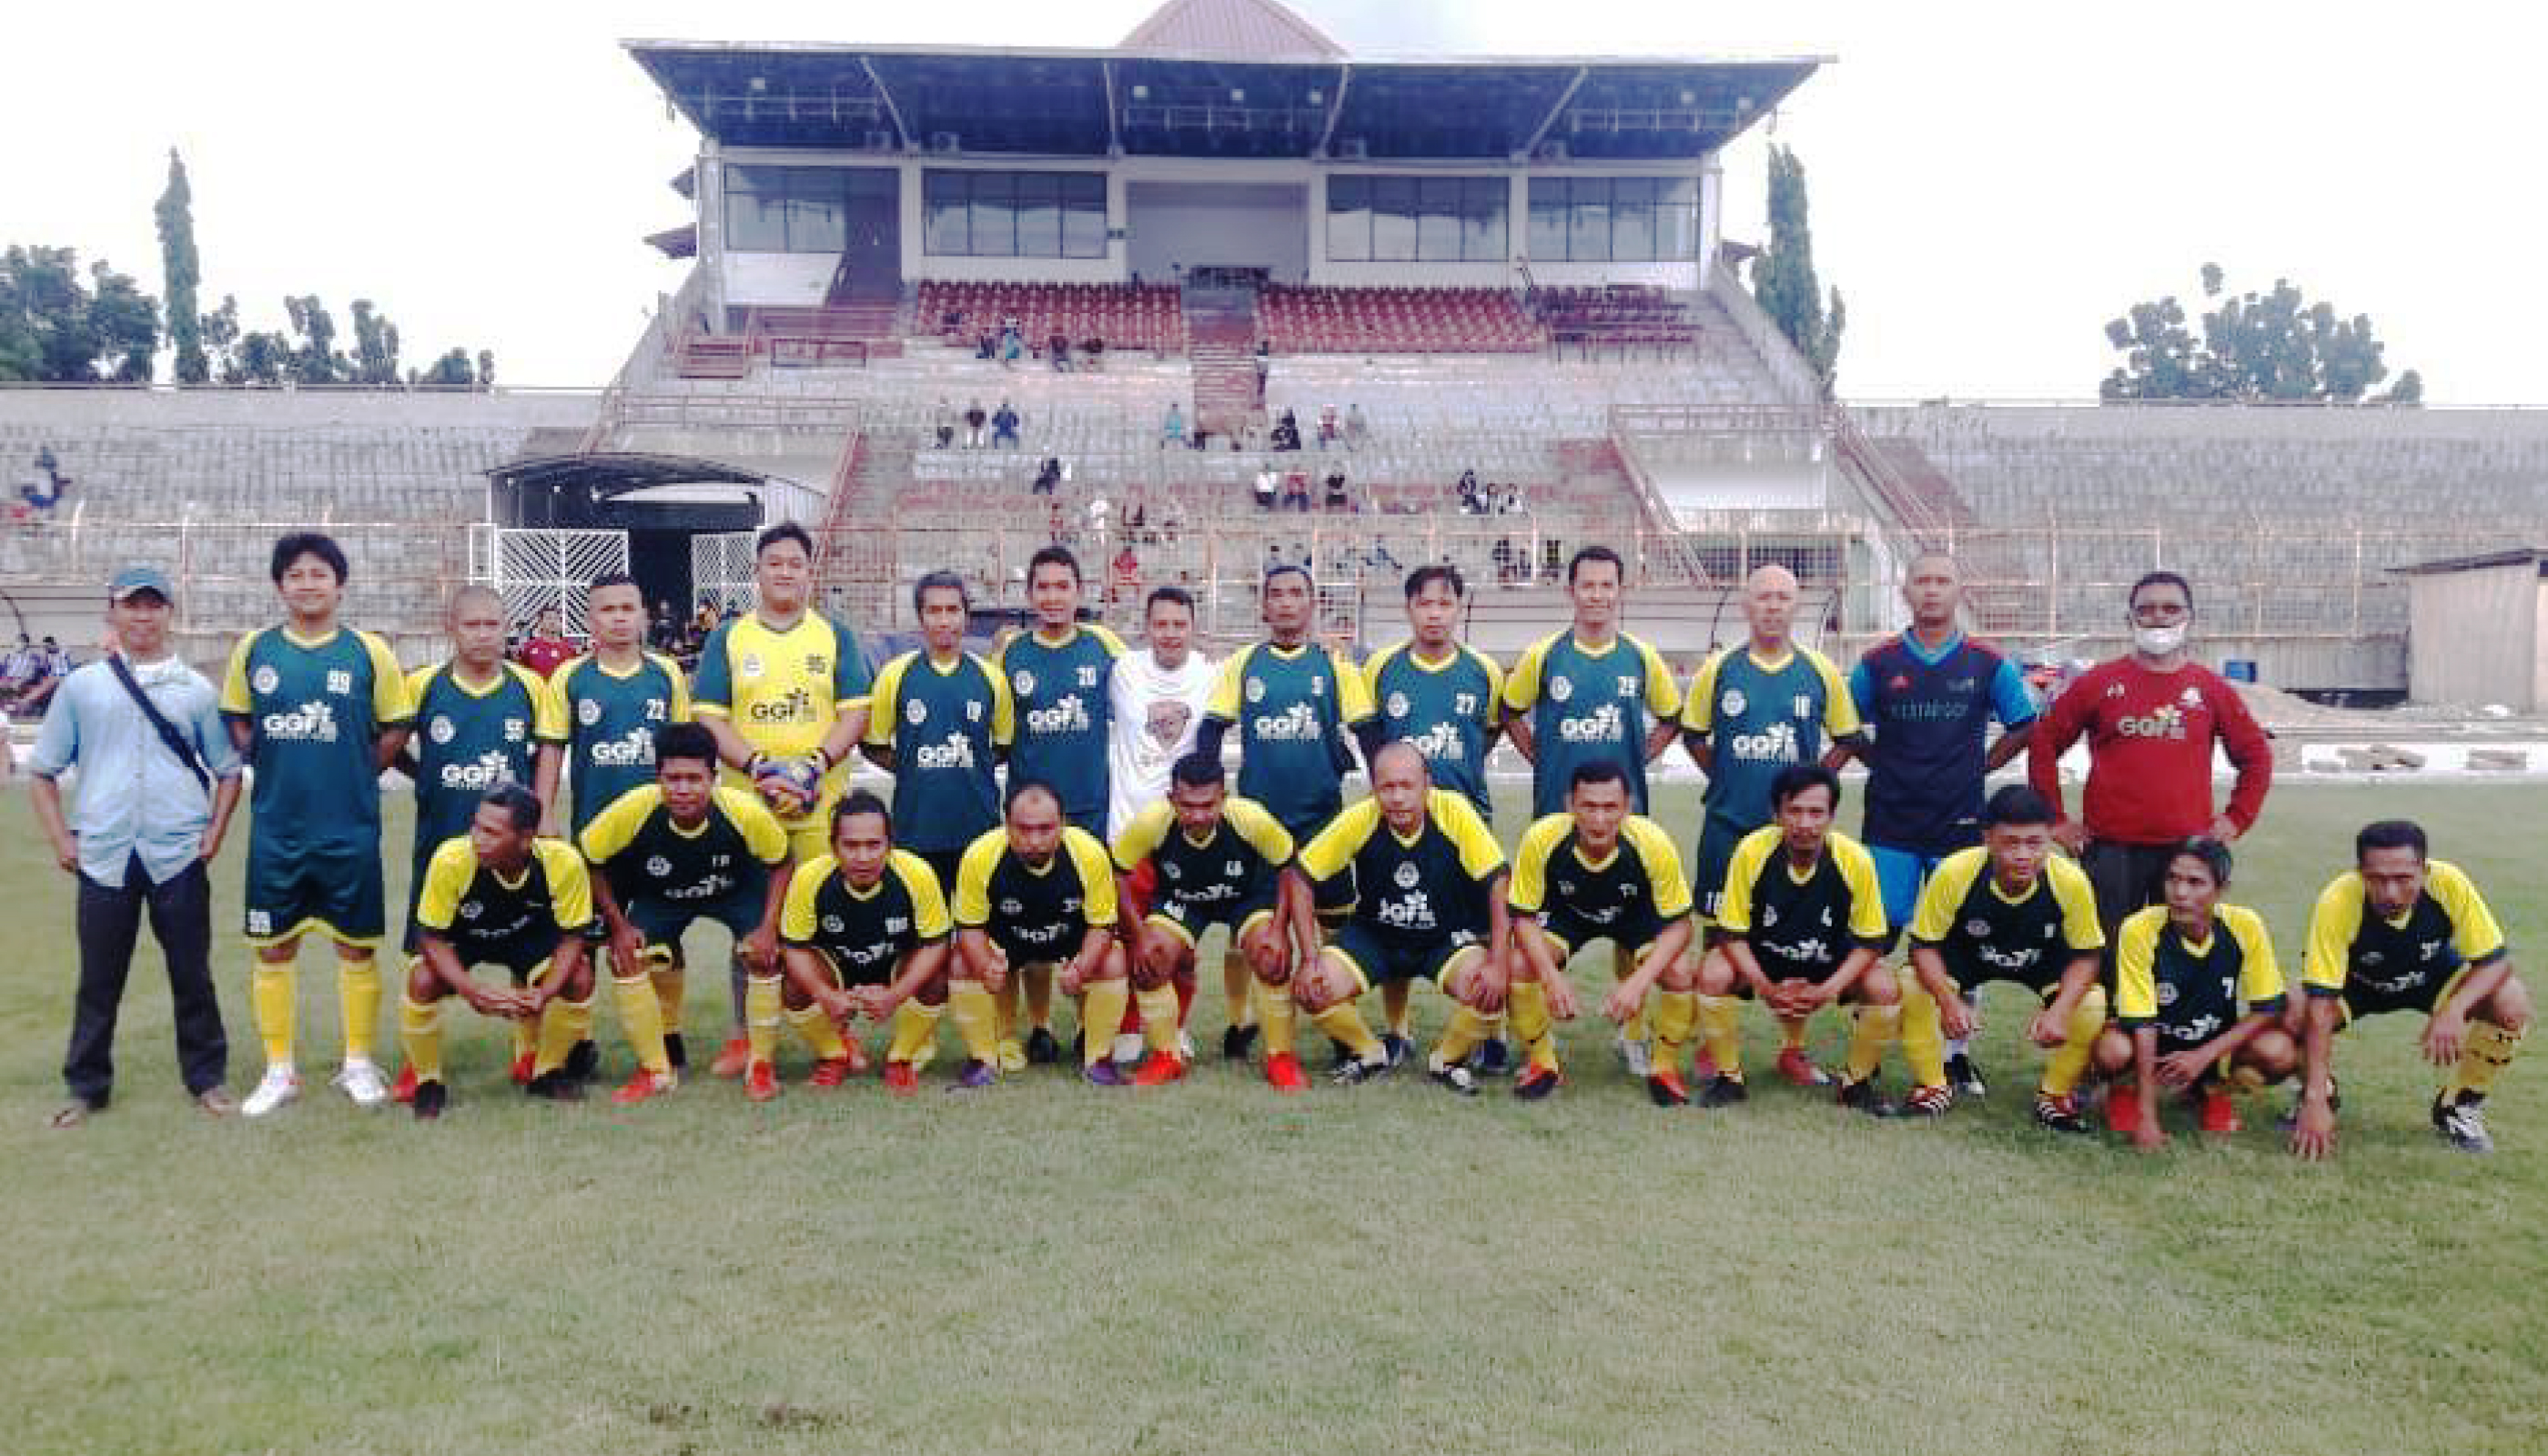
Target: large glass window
(1613,219)
(798,209)
(1083,214)
(1013,215)
(1349,220)
(1409,220)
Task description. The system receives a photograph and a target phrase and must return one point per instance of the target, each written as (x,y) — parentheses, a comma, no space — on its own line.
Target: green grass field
(1208,1268)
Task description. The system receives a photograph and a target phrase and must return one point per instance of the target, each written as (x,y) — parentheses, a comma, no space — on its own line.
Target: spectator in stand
(1004,426)
(42,496)
(1296,491)
(1123,577)
(1339,497)
(25,663)
(943,419)
(1511,503)
(1330,432)
(666,634)
(1012,341)
(951,324)
(546,646)
(1048,478)
(1092,353)
(1357,429)
(2151,719)
(974,418)
(1468,488)
(1173,430)
(54,664)
(1057,352)
(1287,431)
(986,345)
(1267,484)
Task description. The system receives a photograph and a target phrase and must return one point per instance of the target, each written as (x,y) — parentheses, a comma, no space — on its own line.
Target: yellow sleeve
(2334,921)
(1331,848)
(1371,669)
(548,703)
(1494,688)
(1840,709)
(417,681)
(446,880)
(1480,855)
(2473,928)
(2135,948)
(796,914)
(392,704)
(885,703)
(1741,872)
(1263,832)
(974,878)
(762,835)
(1521,686)
(1096,877)
(2260,975)
(1865,894)
(1353,692)
(2079,900)
(680,707)
(1662,691)
(611,830)
(1528,892)
(1224,701)
(1105,638)
(236,698)
(570,889)
(927,901)
(1004,706)
(1142,837)
(1944,894)
(1664,876)
(1699,709)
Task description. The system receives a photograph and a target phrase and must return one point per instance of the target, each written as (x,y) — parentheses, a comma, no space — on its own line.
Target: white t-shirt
(1156,714)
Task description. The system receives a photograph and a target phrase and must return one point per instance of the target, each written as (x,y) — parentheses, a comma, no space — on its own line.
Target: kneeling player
(1798,926)
(1211,861)
(864,932)
(667,855)
(2198,998)
(1598,872)
(1037,892)
(2011,909)
(2401,933)
(501,895)
(1430,906)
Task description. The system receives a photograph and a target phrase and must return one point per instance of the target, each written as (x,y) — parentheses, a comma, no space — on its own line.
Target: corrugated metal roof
(1252,30)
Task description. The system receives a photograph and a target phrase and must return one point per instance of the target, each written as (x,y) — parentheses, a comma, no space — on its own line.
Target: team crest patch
(588,713)
(1013,907)
(1977,929)
(266,679)
(834,925)
(915,713)
(1173,872)
(1561,688)
(1732,702)
(658,867)
(1407,876)
(1398,705)
(750,667)
(1255,689)
(471,909)
(2166,994)
(1024,682)
(440,729)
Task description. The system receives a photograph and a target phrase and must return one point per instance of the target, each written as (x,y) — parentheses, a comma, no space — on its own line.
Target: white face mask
(2158,641)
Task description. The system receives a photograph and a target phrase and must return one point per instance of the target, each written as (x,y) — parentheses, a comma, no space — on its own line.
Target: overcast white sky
(1990,182)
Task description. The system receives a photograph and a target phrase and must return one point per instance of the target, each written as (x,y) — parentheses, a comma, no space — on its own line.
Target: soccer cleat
(1538,1083)
(1013,1054)
(1493,1058)
(403,1091)
(1634,1056)
(1353,1072)
(973,1076)
(831,1072)
(521,1071)
(2462,1123)
(761,1082)
(1185,1045)
(1395,1048)
(732,1059)
(644,1085)
(1283,1071)
(1104,1074)
(1666,1089)
(1457,1077)
(583,1060)
(2220,1113)
(555,1086)
(1799,1070)
(278,1088)
(1042,1049)
(1864,1096)
(2122,1110)
(361,1083)
(677,1051)
(2058,1112)
(1723,1090)
(428,1100)
(1162,1068)
(1704,1067)
(1965,1077)
(902,1080)
(1236,1043)
(1928,1102)
(1128,1049)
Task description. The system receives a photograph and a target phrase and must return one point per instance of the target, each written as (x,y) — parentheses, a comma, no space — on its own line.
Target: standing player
(784,691)
(1213,860)
(501,895)
(1058,676)
(1801,922)
(1430,906)
(1037,892)
(1156,699)
(1755,711)
(864,930)
(2197,1001)
(1592,692)
(2399,931)
(668,855)
(318,710)
(1598,872)
(943,721)
(1928,698)
(2010,909)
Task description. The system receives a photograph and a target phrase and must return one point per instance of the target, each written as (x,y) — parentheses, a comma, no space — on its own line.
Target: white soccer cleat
(1634,1057)
(1185,1046)
(1128,1049)
(278,1088)
(362,1084)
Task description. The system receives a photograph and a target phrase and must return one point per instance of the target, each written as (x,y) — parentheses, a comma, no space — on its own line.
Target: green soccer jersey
(947,723)
(1450,710)
(467,741)
(610,722)
(314,711)
(1589,704)
(1062,716)
(1759,718)
(1292,707)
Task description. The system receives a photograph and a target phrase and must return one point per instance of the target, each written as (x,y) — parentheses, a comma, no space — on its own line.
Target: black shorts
(523,957)
(1572,932)
(1040,950)
(663,922)
(846,973)
(1381,961)
(1190,922)
(944,864)
(332,889)
(2125,878)
(2360,998)
(1717,841)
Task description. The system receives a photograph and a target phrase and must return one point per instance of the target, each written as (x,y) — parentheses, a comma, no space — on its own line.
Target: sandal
(69,1116)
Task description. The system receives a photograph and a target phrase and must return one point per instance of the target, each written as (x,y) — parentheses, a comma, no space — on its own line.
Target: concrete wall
(167,407)
(1689,487)
(778,280)
(1246,224)
(2476,636)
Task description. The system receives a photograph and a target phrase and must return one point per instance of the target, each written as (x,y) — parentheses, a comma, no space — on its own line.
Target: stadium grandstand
(1225,254)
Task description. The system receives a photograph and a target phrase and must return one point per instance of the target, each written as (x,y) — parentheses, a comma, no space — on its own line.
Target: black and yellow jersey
(1637,886)
(2190,992)
(1035,913)
(1416,890)
(1983,934)
(2381,963)
(648,856)
(480,911)
(1234,865)
(1801,925)
(864,933)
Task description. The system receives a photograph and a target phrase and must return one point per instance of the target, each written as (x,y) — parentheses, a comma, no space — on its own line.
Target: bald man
(1752,711)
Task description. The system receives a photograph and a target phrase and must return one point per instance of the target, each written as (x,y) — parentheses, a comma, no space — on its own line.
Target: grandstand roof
(609,474)
(1226,78)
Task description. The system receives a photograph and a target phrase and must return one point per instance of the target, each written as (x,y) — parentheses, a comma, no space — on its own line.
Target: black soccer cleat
(1236,1043)
(1966,1077)
(1723,1091)
(2059,1112)
(1864,1096)
(1042,1049)
(429,1100)
(554,1086)
(1456,1077)
(1538,1083)
(674,1051)
(2462,1123)
(1493,1058)
(1353,1072)
(583,1060)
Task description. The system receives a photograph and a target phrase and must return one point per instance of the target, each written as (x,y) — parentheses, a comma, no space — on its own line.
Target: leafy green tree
(1782,274)
(184,273)
(2269,348)
(58,327)
(485,369)
(376,345)
(316,360)
(451,371)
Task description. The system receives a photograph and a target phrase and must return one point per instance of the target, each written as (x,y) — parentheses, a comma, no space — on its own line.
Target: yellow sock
(1012,992)
(2069,1060)
(763,1007)
(977,1021)
(816,1026)
(1276,1014)
(358,999)
(1676,1013)
(915,1026)
(1343,1022)
(1720,1031)
(1159,1019)
(641,1021)
(1461,1036)
(1870,1031)
(270,999)
(1398,1006)
(1791,1034)
(563,1023)
(1101,1012)
(1638,1025)
(671,982)
(526,1039)
(1040,998)
(1924,1038)
(420,1036)
(2484,1054)
(1238,983)
(1529,1003)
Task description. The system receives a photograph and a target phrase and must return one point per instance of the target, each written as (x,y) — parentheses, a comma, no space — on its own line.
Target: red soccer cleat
(1159,1069)
(2122,1109)
(2219,1114)
(831,1072)
(524,1066)
(761,1082)
(644,1085)
(1665,1088)
(403,1091)
(733,1061)
(857,1059)
(1703,1069)
(1283,1070)
(1799,1070)
(902,1080)
(1537,1082)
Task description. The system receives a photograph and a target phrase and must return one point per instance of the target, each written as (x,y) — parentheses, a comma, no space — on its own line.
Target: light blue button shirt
(132,794)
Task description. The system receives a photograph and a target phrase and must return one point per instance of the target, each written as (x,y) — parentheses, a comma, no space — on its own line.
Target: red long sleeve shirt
(2149,751)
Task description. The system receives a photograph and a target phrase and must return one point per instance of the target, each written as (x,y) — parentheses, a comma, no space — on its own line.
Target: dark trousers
(110,922)
(2126,878)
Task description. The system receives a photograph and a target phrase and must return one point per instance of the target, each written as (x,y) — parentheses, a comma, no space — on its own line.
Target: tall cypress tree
(1783,275)
(176,212)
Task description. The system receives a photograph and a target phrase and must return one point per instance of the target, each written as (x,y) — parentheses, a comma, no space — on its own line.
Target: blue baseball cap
(133,578)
